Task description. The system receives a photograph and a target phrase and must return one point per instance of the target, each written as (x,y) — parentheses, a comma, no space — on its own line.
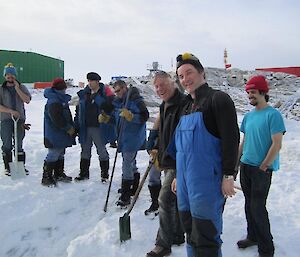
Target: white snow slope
(68,221)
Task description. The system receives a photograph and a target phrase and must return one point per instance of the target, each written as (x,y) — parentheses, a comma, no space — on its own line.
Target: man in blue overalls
(206,139)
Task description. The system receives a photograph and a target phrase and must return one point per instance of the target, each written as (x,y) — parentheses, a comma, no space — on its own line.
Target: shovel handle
(136,195)
(15,120)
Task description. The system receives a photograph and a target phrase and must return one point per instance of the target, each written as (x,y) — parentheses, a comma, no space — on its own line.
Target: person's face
(164,88)
(93,84)
(120,91)
(10,78)
(255,97)
(190,78)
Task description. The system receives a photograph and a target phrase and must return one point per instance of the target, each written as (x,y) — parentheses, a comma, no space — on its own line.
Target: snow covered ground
(68,221)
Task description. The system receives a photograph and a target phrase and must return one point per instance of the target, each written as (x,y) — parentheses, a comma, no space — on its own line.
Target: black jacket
(220,120)
(170,113)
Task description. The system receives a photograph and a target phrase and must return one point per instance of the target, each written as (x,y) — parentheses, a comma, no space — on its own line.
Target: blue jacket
(57,119)
(133,134)
(103,101)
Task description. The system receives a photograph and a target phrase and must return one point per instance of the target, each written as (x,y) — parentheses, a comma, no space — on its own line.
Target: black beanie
(188,58)
(93,76)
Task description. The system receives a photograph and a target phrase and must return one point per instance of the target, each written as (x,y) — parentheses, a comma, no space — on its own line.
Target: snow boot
(104,166)
(242,244)
(154,193)
(178,240)
(48,179)
(7,158)
(136,182)
(84,170)
(159,251)
(124,199)
(59,174)
(22,158)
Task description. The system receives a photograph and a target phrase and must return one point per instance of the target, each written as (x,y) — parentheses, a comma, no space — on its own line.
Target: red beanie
(59,84)
(258,82)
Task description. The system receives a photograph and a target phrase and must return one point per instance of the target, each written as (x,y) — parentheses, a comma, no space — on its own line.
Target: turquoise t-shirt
(258,127)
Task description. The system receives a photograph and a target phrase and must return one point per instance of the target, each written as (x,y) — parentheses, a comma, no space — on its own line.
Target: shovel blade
(17,170)
(124,226)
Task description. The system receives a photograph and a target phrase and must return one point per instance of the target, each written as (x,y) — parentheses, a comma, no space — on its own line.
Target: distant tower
(227,65)
(154,68)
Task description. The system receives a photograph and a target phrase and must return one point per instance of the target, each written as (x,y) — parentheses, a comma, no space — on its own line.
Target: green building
(32,67)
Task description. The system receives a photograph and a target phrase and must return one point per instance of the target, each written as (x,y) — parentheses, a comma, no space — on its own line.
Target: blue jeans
(55,154)
(129,165)
(93,135)
(154,177)
(7,135)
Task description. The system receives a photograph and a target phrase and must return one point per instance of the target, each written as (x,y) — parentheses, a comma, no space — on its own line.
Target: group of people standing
(201,133)
(195,141)
(100,117)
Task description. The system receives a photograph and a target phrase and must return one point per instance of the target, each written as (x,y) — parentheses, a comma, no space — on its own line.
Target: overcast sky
(120,37)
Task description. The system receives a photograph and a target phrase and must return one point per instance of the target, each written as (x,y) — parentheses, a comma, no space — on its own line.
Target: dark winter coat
(103,100)
(57,119)
(7,101)
(169,117)
(133,134)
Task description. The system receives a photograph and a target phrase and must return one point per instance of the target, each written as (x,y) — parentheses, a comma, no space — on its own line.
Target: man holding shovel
(13,95)
(170,231)
(131,111)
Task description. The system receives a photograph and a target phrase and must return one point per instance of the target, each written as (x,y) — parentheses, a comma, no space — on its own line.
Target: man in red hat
(263,129)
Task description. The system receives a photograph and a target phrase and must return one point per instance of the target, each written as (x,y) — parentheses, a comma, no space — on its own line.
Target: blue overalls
(199,179)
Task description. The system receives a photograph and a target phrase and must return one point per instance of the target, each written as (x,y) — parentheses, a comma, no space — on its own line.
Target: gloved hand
(26,126)
(153,153)
(128,115)
(153,135)
(103,118)
(71,131)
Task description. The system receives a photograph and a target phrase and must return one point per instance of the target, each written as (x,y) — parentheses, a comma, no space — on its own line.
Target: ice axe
(17,169)
(124,221)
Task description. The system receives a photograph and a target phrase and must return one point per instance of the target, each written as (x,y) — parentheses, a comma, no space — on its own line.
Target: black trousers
(256,184)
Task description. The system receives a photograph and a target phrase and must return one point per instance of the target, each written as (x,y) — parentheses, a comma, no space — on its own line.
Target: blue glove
(151,139)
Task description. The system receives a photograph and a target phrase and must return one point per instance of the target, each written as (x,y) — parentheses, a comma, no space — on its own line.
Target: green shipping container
(32,67)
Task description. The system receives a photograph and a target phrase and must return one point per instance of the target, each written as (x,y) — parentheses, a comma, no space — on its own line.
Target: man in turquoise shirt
(263,129)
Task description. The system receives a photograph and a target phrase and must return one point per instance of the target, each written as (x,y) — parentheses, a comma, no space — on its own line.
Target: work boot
(242,244)
(48,179)
(22,158)
(136,182)
(104,165)
(178,240)
(7,158)
(84,170)
(59,174)
(124,199)
(159,251)
(154,193)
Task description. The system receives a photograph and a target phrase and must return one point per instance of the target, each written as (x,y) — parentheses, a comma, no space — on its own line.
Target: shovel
(17,169)
(124,222)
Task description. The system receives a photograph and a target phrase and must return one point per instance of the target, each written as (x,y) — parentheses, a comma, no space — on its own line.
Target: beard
(254,103)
